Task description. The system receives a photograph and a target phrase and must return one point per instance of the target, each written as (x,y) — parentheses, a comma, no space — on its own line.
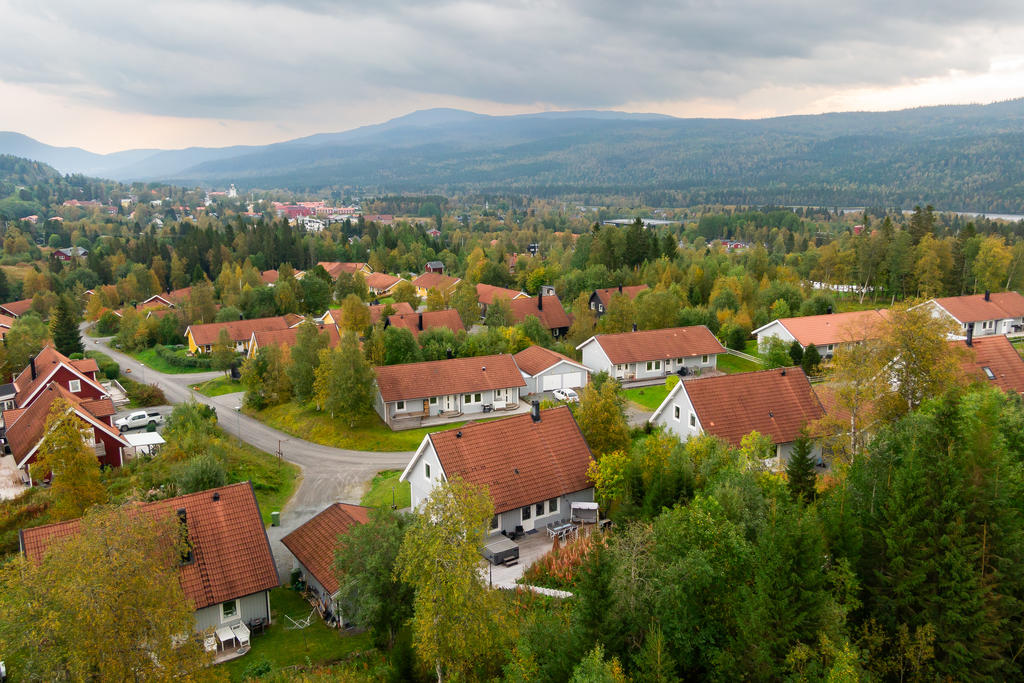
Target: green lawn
(730,364)
(385,485)
(750,348)
(218,386)
(150,359)
(648,397)
(369,434)
(281,647)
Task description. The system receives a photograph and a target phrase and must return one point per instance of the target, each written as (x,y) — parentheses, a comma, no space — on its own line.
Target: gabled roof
(336,268)
(47,361)
(429,320)
(436,281)
(238,330)
(517,460)
(452,376)
(832,328)
(286,338)
(486,294)
(381,282)
(314,542)
(974,308)
(26,427)
(534,360)
(156,300)
(376,311)
(777,403)
(269,277)
(631,291)
(178,296)
(229,544)
(672,342)
(997,354)
(552,316)
(17,308)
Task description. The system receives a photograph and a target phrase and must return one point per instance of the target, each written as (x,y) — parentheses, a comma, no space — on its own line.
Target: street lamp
(238,421)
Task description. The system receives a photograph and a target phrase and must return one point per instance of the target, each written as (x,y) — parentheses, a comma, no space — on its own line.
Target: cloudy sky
(110,74)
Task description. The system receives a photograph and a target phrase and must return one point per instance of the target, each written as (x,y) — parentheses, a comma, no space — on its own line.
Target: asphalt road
(329,475)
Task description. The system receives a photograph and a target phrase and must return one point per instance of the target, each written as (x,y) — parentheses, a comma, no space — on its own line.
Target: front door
(449,403)
(426,406)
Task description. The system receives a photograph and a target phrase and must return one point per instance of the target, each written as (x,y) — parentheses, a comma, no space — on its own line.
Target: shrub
(560,567)
(144,395)
(179,359)
(201,473)
(257,669)
(111,370)
(108,323)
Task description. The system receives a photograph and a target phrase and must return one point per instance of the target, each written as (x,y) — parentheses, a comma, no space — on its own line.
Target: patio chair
(210,643)
(241,632)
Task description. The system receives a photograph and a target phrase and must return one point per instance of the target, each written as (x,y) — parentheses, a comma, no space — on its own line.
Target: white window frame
(75,386)
(525,512)
(675,413)
(704,358)
(433,400)
(988,372)
(693,419)
(494,522)
(538,509)
(426,469)
(237,614)
(399,405)
(552,505)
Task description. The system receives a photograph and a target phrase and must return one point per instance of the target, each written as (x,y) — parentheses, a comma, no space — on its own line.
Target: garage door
(552,381)
(572,380)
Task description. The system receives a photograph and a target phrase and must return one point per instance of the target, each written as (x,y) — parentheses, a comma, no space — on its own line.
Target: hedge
(180,360)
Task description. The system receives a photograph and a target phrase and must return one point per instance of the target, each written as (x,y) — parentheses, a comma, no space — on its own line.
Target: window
(476,398)
(830,348)
(592,305)
(74,386)
(526,513)
(400,405)
(433,400)
(539,509)
(693,420)
(989,373)
(552,506)
(600,308)
(229,610)
(679,361)
(426,470)
(494,522)
(704,358)
(675,413)
(467,398)
(654,365)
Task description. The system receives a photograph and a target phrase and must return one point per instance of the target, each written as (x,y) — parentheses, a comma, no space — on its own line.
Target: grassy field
(283,647)
(648,397)
(384,485)
(218,386)
(730,364)
(150,359)
(369,434)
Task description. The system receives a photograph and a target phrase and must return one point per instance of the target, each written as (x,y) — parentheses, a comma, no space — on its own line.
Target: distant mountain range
(968,157)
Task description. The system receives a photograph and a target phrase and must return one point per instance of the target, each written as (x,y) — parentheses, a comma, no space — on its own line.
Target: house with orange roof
(313,545)
(230,570)
(5,325)
(202,338)
(427,320)
(16,309)
(546,308)
(336,268)
(432,280)
(286,338)
(825,332)
(534,466)
(600,299)
(992,361)
(547,370)
(380,284)
(446,390)
(486,294)
(777,403)
(990,313)
(333,316)
(647,356)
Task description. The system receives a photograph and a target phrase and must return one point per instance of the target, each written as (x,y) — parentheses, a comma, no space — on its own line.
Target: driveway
(329,475)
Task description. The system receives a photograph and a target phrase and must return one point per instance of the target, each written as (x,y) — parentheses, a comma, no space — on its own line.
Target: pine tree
(800,470)
(796,352)
(64,329)
(811,360)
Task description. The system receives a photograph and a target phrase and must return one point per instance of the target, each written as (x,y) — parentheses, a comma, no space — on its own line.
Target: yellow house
(443,283)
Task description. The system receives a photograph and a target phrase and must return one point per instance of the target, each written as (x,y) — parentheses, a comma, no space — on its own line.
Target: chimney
(535,410)
(216,496)
(32,364)
(540,301)
(620,289)
(783,372)
(448,353)
(634,327)
(458,434)
(988,295)
(828,310)
(419,323)
(970,334)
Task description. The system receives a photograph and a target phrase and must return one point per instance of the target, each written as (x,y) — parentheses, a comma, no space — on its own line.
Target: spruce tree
(64,329)
(811,360)
(796,352)
(800,470)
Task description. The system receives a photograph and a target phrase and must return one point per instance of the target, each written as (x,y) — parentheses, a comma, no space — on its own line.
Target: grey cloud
(260,60)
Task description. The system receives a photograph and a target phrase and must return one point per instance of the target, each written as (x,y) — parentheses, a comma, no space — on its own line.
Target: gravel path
(329,475)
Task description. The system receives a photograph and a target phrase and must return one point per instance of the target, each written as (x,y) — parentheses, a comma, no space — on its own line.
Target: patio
(416,420)
(532,547)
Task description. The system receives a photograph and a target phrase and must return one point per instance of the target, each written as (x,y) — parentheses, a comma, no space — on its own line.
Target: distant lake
(965,214)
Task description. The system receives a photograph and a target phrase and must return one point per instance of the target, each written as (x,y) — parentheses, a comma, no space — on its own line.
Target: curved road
(329,475)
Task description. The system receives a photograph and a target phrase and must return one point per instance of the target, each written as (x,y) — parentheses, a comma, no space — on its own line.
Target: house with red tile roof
(5,325)
(486,294)
(534,466)
(333,316)
(286,338)
(547,370)
(546,308)
(336,268)
(380,284)
(826,332)
(427,320)
(991,312)
(648,355)
(202,338)
(16,309)
(777,403)
(446,390)
(432,280)
(992,361)
(601,298)
(231,571)
(313,546)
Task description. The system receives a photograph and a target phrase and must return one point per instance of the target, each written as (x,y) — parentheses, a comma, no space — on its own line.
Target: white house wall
(250,607)
(773,329)
(666,415)
(508,521)
(420,486)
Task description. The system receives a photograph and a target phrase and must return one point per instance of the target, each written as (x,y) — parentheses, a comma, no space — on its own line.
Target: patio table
(224,634)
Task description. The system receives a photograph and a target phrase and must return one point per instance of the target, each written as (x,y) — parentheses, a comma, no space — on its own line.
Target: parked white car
(567,395)
(140,418)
